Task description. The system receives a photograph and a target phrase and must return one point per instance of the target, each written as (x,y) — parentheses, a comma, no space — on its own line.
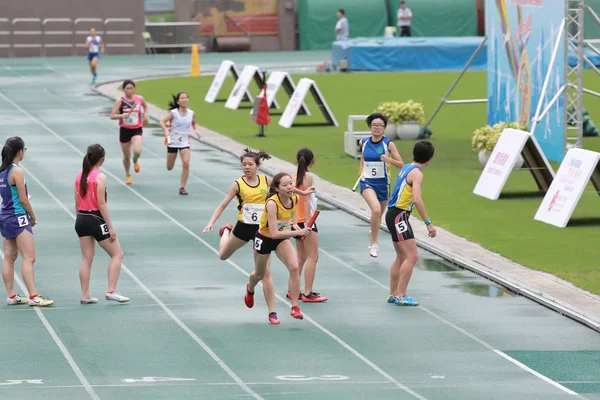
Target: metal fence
(64,33)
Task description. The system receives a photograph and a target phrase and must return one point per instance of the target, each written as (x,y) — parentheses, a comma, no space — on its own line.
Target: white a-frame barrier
(276,80)
(577,169)
(241,87)
(297,101)
(226,67)
(511,144)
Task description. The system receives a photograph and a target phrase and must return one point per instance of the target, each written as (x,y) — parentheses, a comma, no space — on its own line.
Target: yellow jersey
(284,216)
(402,196)
(251,200)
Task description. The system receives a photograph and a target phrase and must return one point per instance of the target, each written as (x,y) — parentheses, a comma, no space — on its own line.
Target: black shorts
(398,224)
(245,232)
(301,226)
(125,134)
(265,245)
(176,149)
(91,223)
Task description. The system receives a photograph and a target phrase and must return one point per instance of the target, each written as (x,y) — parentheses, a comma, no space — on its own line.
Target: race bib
(23,221)
(104,229)
(283,226)
(401,227)
(374,169)
(251,213)
(133,119)
(94,48)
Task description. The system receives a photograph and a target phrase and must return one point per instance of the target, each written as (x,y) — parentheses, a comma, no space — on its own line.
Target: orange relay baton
(311,222)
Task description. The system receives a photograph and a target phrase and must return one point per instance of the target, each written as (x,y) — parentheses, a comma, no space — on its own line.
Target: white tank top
(180,128)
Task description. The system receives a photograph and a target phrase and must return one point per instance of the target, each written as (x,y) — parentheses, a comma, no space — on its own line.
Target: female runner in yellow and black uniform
(273,235)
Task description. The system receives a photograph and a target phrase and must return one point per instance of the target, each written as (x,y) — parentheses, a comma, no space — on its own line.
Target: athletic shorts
(398,224)
(91,223)
(12,226)
(382,190)
(176,149)
(265,245)
(301,225)
(125,134)
(91,56)
(245,232)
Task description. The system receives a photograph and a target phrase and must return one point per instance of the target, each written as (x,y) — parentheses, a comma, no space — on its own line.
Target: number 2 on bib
(22,221)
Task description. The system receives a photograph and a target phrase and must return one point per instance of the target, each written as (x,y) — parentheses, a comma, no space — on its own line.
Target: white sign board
(567,187)
(297,101)
(501,163)
(226,67)
(241,87)
(274,83)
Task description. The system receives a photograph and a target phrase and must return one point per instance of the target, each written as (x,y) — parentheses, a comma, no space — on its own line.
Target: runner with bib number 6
(374,173)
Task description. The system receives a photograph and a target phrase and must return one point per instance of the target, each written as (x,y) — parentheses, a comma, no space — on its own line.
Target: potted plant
(408,118)
(388,109)
(485,138)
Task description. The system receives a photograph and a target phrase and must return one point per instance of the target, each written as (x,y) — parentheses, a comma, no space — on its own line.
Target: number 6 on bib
(251,213)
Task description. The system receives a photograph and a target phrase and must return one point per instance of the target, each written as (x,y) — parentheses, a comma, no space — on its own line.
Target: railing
(48,34)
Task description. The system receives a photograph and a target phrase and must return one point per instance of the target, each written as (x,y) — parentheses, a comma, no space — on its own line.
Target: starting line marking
(21,381)
(312,378)
(153,379)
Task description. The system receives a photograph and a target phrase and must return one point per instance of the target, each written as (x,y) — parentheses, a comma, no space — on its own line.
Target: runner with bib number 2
(374,173)
(406,195)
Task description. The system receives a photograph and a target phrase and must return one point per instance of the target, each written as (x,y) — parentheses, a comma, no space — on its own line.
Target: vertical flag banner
(521,36)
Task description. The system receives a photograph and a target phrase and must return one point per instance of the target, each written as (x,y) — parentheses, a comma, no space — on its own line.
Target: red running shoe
(228,226)
(296,313)
(249,297)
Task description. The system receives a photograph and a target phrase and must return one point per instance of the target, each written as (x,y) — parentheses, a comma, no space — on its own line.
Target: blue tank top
(11,204)
(402,195)
(375,171)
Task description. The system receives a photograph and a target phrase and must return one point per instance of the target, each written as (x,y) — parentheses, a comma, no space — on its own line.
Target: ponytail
(174,103)
(7,157)
(257,156)
(85,171)
(11,148)
(304,158)
(95,153)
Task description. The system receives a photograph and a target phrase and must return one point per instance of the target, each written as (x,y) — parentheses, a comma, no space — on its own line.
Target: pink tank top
(90,201)
(135,119)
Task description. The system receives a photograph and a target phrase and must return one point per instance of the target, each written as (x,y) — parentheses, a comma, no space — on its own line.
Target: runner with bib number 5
(406,194)
(93,224)
(374,173)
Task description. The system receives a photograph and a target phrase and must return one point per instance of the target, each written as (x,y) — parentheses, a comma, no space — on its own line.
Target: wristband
(428,221)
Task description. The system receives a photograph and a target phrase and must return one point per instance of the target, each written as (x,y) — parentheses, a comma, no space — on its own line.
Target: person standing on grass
(308,249)
(93,224)
(128,110)
(16,222)
(374,173)
(178,138)
(407,193)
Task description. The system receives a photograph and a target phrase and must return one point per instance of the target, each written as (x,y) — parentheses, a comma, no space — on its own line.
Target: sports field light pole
(445,99)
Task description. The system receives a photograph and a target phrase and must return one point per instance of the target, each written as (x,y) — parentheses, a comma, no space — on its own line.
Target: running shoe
(39,301)
(136,167)
(290,297)
(273,318)
(18,299)
(128,180)
(229,227)
(116,296)
(373,247)
(407,301)
(393,299)
(183,192)
(313,298)
(249,297)
(94,78)
(88,300)
(296,313)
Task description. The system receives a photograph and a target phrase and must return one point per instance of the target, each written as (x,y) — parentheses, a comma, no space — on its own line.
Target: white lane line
(59,343)
(214,250)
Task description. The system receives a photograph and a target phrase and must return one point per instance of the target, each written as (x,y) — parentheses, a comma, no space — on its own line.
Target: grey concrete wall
(73,9)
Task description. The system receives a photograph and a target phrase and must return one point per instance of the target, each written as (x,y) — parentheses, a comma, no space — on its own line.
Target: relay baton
(312,221)
(356,184)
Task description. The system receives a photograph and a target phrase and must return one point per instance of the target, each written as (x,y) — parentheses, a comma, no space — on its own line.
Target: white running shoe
(18,299)
(116,296)
(39,301)
(88,300)
(374,250)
